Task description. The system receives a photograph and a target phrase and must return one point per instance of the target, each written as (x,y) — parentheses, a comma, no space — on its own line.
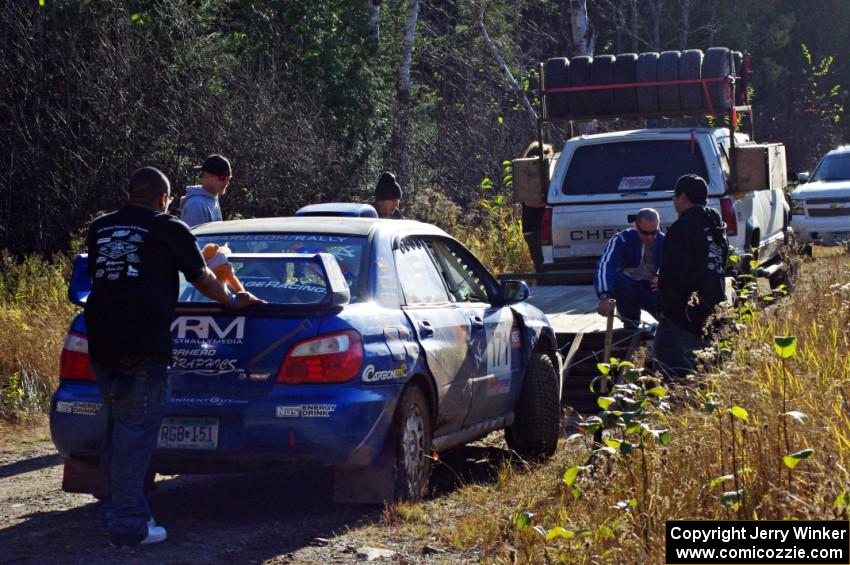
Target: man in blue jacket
(628,269)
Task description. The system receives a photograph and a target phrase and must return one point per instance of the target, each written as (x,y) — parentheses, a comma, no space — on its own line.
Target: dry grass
(674,481)
(34,317)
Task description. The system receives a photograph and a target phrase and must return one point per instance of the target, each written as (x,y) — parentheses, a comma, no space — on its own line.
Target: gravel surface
(268,517)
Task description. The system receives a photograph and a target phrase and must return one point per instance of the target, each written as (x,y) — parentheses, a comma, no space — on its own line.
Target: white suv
(820,208)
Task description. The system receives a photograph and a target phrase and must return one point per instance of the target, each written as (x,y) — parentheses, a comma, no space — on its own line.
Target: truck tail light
(74,363)
(546,227)
(332,358)
(727,212)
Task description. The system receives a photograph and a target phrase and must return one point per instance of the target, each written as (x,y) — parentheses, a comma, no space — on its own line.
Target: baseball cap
(215,165)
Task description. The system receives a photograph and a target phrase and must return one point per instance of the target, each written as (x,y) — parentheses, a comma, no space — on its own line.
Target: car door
(494,336)
(441,329)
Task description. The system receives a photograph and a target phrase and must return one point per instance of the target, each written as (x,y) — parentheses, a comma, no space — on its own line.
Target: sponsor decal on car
(305,411)
(370,375)
(80,408)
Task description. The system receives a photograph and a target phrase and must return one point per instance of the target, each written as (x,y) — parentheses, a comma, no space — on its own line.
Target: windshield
(632,166)
(832,168)
(276,282)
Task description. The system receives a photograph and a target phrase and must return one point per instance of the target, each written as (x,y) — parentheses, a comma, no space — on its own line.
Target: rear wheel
(412,432)
(534,432)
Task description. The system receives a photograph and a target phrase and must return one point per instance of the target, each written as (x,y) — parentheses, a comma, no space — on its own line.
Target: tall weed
(34,316)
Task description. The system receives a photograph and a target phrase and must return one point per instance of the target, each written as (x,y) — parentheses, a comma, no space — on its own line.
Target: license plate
(188,433)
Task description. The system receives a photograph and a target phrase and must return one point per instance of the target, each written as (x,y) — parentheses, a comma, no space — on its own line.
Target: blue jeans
(133,393)
(674,349)
(633,296)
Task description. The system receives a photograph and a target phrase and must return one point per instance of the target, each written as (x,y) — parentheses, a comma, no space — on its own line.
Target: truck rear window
(632,166)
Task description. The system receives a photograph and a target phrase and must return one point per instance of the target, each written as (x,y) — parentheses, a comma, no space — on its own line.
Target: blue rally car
(402,346)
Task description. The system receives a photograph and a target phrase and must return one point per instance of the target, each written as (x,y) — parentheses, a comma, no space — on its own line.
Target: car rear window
(277,280)
(632,166)
(348,251)
(833,168)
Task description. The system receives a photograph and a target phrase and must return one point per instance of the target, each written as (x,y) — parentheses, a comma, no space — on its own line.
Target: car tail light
(74,364)
(727,212)
(546,227)
(332,358)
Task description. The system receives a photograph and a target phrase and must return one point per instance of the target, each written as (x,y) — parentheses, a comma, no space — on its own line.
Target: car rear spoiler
(80,285)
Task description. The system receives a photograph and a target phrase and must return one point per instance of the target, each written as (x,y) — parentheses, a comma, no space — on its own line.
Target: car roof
(319,224)
(840,150)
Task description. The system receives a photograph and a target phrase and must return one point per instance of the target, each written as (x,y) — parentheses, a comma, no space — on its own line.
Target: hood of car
(822,189)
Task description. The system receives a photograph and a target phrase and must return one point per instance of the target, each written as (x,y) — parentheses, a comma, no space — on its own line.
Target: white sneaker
(151,522)
(156,534)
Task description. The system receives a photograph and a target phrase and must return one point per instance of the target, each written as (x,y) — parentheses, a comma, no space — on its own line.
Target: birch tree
(403,94)
(494,49)
(583,35)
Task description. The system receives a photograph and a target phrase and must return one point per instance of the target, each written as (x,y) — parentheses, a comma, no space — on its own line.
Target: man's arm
(609,262)
(212,288)
(673,275)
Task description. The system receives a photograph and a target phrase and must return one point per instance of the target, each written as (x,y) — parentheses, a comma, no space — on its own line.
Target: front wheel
(412,432)
(536,425)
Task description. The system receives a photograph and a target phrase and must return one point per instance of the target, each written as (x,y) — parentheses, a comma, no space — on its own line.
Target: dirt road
(271,517)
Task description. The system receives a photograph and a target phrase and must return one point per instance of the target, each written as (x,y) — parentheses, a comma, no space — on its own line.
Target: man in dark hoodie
(388,197)
(691,282)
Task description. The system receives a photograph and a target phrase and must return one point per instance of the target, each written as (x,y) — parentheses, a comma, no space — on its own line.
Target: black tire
(646,70)
(602,72)
(556,72)
(536,425)
(625,99)
(717,63)
(412,433)
(668,69)
(690,67)
(580,102)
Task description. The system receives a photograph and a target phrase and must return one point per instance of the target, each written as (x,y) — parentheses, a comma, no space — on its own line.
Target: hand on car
(245,298)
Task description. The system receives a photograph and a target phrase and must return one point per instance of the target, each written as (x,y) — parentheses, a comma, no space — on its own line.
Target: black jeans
(532,239)
(133,391)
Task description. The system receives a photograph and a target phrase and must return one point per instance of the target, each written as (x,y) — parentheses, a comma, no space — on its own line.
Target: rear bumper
(341,426)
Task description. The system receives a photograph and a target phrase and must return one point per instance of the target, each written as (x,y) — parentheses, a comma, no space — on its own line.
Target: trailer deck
(572,309)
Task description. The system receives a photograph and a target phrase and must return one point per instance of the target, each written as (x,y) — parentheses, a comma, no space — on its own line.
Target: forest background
(311,100)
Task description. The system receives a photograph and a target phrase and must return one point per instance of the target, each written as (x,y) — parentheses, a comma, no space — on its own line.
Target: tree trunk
(403,95)
(655,27)
(518,92)
(635,27)
(583,34)
(712,26)
(685,5)
(375,24)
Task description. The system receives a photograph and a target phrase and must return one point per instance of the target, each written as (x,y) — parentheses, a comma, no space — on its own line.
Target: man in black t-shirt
(135,254)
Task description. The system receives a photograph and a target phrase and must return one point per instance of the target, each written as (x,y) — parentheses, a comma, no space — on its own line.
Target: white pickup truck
(599,181)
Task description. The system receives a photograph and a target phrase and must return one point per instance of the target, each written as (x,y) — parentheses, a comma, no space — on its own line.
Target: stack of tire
(627,68)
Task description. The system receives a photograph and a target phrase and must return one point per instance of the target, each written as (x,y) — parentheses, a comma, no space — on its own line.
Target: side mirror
(803,178)
(511,292)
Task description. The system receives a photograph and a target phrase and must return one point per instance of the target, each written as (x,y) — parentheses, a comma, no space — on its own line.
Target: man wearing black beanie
(388,197)
(691,282)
